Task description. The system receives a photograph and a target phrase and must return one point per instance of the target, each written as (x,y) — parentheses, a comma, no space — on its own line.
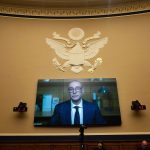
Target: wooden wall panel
(128,146)
(112,145)
(43,146)
(74,147)
(61,147)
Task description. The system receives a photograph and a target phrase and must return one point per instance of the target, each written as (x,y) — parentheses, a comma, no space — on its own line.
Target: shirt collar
(80,104)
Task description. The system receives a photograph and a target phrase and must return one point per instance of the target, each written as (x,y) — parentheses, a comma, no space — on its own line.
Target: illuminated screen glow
(99,99)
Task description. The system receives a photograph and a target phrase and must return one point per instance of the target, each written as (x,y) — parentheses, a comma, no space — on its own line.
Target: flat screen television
(97,100)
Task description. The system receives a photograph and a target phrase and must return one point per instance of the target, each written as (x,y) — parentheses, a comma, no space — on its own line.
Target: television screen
(74,102)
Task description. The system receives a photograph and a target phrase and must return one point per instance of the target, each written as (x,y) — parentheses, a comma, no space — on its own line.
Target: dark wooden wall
(111,142)
(109,145)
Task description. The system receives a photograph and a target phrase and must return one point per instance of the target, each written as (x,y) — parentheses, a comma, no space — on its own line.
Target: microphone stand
(81,130)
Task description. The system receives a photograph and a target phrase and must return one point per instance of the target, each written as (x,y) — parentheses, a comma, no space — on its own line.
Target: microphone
(82,127)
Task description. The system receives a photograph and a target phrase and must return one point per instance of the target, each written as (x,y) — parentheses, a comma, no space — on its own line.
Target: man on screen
(76,111)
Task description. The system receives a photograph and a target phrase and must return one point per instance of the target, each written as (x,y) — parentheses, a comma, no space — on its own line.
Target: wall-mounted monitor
(96,100)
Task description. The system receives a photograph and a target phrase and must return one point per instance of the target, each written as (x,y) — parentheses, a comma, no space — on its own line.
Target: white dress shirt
(73,110)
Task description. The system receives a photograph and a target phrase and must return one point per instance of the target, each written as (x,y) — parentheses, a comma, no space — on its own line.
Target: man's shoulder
(64,103)
(99,149)
(140,148)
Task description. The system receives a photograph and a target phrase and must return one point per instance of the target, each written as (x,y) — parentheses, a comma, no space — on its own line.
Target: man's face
(144,144)
(99,145)
(75,90)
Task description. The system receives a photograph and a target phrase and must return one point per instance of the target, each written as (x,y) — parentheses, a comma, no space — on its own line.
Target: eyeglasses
(76,89)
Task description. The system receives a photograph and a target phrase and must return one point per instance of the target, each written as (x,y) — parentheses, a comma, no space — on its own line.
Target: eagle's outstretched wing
(60,48)
(94,47)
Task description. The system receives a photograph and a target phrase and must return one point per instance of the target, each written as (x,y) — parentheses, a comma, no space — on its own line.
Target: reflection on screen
(100,103)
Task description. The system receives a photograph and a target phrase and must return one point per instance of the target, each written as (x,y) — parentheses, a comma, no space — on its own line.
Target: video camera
(137,106)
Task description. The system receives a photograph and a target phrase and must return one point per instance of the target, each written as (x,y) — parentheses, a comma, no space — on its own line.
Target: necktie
(77,116)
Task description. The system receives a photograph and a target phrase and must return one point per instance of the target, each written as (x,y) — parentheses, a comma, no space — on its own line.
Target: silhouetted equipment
(22,107)
(137,106)
(81,130)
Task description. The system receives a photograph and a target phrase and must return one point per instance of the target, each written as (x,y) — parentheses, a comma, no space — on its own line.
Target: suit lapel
(68,112)
(84,113)
(87,113)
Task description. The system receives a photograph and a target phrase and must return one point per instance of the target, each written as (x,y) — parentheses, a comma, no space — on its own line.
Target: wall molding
(39,12)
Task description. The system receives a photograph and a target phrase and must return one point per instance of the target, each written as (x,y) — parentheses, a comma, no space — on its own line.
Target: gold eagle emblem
(76,51)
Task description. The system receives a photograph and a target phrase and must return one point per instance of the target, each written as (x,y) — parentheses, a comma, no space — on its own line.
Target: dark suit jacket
(140,148)
(91,114)
(99,148)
